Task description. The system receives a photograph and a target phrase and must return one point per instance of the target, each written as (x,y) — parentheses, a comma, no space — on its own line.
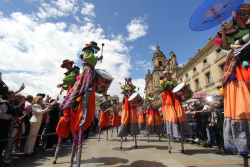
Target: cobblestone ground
(148,154)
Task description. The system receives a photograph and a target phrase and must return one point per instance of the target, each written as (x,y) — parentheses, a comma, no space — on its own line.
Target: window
(197,84)
(160,63)
(187,75)
(188,86)
(209,79)
(194,69)
(205,61)
(218,51)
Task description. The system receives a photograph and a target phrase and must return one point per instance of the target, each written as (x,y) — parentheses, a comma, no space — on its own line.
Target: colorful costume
(173,113)
(82,98)
(236,85)
(129,120)
(142,121)
(153,120)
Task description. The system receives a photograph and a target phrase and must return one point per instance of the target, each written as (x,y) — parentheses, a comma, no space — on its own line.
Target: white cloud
(77,19)
(32,52)
(137,28)
(144,64)
(66,5)
(88,9)
(47,11)
(1,13)
(87,19)
(116,14)
(152,47)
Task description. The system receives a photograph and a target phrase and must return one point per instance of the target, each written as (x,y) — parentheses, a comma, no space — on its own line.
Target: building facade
(202,73)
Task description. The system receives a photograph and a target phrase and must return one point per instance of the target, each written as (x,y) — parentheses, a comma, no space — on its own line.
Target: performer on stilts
(104,121)
(236,83)
(129,119)
(153,119)
(82,97)
(142,120)
(173,113)
(67,122)
(115,121)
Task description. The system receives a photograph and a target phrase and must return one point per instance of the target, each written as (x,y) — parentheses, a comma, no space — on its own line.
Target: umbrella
(200,96)
(211,13)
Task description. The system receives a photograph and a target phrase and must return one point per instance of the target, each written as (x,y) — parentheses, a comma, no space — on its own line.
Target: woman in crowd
(35,123)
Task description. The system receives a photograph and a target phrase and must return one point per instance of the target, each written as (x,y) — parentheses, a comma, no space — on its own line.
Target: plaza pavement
(148,154)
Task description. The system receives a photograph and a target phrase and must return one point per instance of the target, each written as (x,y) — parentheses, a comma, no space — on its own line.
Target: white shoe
(196,140)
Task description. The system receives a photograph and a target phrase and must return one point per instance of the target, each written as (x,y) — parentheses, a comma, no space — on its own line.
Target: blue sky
(42,33)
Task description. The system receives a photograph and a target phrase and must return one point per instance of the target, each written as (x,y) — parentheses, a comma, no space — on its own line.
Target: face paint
(95,50)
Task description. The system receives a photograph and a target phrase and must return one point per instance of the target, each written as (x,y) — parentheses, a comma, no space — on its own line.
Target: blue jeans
(208,134)
(46,131)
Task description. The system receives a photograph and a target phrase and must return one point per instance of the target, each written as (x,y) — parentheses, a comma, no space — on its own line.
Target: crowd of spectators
(27,116)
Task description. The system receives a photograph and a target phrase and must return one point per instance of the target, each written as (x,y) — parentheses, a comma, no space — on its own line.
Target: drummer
(173,113)
(82,97)
(104,121)
(129,120)
(154,123)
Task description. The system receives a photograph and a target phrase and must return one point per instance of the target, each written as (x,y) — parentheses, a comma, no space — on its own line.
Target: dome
(158,53)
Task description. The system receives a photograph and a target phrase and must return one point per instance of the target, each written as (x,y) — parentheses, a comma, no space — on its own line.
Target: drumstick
(102,50)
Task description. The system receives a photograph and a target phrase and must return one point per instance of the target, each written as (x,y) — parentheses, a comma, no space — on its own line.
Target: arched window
(160,63)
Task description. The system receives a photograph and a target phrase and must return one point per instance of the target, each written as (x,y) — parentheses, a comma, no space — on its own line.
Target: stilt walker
(82,98)
(236,83)
(173,113)
(106,106)
(129,119)
(142,120)
(117,107)
(67,122)
(153,120)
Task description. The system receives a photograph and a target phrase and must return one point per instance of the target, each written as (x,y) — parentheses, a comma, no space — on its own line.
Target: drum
(103,81)
(135,100)
(182,92)
(117,107)
(143,108)
(156,103)
(105,105)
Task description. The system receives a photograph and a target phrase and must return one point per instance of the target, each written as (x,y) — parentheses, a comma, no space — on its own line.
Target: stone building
(160,63)
(97,104)
(202,73)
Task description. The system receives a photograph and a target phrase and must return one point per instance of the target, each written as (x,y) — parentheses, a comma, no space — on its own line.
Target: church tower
(159,60)
(149,83)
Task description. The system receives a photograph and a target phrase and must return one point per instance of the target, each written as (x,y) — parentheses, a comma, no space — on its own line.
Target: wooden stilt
(169,149)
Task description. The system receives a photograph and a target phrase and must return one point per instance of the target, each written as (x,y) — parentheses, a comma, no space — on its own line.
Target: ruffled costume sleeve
(70,78)
(164,85)
(89,57)
(128,88)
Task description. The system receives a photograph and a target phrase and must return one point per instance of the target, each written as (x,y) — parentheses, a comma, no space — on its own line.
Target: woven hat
(91,45)
(66,62)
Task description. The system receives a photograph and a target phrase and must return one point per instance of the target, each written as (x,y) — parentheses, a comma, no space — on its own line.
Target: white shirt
(206,108)
(27,108)
(38,112)
(3,110)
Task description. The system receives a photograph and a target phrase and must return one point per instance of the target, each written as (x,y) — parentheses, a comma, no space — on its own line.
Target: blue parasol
(211,13)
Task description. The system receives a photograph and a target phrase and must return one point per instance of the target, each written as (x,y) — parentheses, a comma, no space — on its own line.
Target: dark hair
(29,97)
(5,97)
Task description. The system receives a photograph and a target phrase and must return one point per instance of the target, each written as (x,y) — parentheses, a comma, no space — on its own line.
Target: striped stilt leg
(99,134)
(58,148)
(107,134)
(112,131)
(74,148)
(79,150)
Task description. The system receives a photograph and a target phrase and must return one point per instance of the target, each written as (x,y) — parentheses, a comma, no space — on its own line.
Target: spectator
(3,87)
(35,123)
(54,119)
(206,109)
(28,112)
(43,121)
(6,116)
